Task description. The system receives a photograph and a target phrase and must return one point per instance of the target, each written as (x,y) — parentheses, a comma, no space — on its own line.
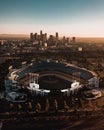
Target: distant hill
(13,36)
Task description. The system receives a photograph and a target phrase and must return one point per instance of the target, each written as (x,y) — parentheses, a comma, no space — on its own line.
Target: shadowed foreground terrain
(89,117)
(91,123)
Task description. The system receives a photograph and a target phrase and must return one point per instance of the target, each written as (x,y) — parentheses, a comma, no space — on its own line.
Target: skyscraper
(35,36)
(56,34)
(40,32)
(73,39)
(31,37)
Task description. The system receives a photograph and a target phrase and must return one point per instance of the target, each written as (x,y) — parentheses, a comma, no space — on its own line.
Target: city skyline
(68,17)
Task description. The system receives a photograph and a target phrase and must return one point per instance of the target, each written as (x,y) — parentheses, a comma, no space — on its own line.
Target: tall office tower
(31,37)
(35,36)
(51,40)
(46,36)
(73,39)
(40,32)
(2,42)
(63,39)
(56,34)
(67,40)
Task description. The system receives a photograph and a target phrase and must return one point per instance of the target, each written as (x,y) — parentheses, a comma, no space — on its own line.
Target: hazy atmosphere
(68,17)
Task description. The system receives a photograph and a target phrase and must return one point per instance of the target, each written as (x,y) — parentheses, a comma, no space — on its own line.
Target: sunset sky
(83,18)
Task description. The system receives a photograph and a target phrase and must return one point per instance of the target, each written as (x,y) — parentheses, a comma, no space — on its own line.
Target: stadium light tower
(33,77)
(36,77)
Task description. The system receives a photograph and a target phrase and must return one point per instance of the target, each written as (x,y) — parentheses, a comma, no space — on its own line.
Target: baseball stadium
(48,76)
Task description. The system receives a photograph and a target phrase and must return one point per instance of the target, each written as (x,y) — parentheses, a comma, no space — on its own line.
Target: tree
(89,107)
(90,104)
(72,102)
(47,106)
(95,106)
(37,107)
(19,106)
(81,103)
(56,105)
(66,107)
(30,106)
(11,106)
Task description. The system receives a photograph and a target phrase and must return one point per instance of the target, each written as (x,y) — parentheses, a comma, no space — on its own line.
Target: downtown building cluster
(52,40)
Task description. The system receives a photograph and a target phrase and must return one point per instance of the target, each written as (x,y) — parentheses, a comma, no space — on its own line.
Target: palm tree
(37,107)
(11,106)
(56,106)
(19,106)
(66,107)
(72,102)
(30,106)
(47,106)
